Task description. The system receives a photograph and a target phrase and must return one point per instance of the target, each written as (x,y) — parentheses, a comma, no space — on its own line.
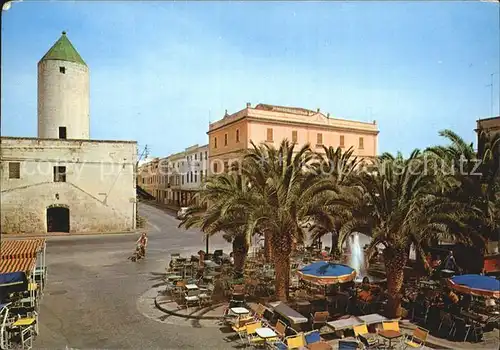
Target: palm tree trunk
(240,251)
(281,249)
(282,268)
(395,260)
(268,252)
(334,252)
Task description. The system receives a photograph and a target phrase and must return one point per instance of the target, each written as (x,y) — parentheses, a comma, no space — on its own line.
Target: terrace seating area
(23,276)
(327,307)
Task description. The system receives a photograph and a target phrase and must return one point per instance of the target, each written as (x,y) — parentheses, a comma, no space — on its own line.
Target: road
(91,299)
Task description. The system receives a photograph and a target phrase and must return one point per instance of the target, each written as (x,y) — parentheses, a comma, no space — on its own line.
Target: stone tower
(63,93)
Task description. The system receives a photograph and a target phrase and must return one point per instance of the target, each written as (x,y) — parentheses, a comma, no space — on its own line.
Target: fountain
(357,260)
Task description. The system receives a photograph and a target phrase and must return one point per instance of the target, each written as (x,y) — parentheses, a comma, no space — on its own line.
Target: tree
(221,209)
(473,180)
(397,206)
(283,186)
(340,168)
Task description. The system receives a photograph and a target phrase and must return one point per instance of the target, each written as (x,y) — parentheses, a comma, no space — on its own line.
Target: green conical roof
(63,50)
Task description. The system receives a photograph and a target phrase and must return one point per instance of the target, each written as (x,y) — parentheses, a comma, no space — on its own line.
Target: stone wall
(99,189)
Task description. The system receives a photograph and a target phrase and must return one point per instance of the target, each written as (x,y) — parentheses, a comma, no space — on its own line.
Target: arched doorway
(58,219)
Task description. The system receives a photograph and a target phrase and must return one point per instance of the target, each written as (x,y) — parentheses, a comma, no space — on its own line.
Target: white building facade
(62,181)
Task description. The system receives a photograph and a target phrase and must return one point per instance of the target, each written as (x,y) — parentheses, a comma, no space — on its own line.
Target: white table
(191,286)
(239,310)
(372,318)
(345,323)
(265,333)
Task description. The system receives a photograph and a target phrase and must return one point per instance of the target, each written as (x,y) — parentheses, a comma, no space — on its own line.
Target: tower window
(62,70)
(14,170)
(59,174)
(225,139)
(62,132)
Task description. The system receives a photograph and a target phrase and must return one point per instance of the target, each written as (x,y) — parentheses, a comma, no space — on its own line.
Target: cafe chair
(280,329)
(475,329)
(417,339)
(319,319)
(447,321)
(390,326)
(347,345)
(361,332)
(252,337)
(296,341)
(462,326)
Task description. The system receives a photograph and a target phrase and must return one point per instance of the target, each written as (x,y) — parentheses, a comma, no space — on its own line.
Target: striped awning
(17,265)
(21,249)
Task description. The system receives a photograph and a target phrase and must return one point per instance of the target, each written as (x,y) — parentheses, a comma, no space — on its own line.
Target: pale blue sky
(159,69)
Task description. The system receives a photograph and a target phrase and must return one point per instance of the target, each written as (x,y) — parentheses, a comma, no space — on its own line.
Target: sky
(160,71)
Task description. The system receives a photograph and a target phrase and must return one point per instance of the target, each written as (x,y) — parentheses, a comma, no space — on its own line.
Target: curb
(191,317)
(15,236)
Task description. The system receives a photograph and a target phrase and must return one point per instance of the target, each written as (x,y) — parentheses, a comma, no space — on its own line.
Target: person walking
(142,243)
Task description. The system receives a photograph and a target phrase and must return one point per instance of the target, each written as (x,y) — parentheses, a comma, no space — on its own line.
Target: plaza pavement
(96,298)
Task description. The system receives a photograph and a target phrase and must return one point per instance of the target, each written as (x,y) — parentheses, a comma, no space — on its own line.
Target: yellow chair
(361,332)
(418,338)
(390,326)
(296,341)
(252,337)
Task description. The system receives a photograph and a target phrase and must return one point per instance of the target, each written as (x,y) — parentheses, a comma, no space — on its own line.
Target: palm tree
(397,207)
(340,168)
(283,186)
(472,179)
(220,210)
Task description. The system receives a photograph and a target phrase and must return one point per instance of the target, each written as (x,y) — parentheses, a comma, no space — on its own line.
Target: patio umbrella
(476,285)
(326,273)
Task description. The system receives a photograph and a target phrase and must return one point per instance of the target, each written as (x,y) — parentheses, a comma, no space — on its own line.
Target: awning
(26,248)
(326,273)
(476,285)
(17,265)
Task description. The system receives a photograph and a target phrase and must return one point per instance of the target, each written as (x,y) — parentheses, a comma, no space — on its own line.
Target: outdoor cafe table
(372,318)
(343,324)
(390,335)
(290,314)
(239,310)
(265,333)
(191,286)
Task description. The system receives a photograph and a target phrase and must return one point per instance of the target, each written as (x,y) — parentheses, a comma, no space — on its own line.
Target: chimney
(225,113)
(317,110)
(249,105)
(328,115)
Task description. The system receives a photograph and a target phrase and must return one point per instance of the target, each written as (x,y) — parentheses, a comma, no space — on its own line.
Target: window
(226,166)
(319,139)
(238,135)
(269,135)
(215,142)
(215,167)
(205,155)
(59,174)
(182,180)
(341,140)
(62,70)
(201,175)
(196,156)
(361,143)
(191,176)
(294,136)
(225,139)
(62,132)
(195,176)
(14,170)
(143,180)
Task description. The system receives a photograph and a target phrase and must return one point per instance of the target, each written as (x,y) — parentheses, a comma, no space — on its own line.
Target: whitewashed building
(62,181)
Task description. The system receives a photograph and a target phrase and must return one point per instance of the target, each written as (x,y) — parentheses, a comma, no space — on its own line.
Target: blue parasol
(476,285)
(325,273)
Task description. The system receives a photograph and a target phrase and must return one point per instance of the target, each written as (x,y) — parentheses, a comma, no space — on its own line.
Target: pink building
(271,124)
